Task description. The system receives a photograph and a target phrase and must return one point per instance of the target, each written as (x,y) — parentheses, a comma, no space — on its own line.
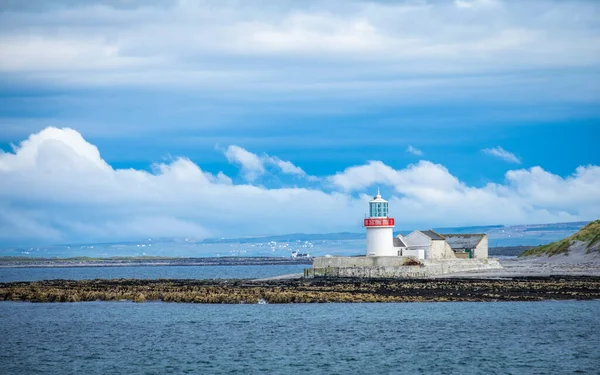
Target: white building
(421,244)
(428,244)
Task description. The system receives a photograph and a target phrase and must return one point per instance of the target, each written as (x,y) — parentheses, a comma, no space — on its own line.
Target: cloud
(415,151)
(247,45)
(501,153)
(90,64)
(54,149)
(37,5)
(287,167)
(470,4)
(428,192)
(422,177)
(56,187)
(254,166)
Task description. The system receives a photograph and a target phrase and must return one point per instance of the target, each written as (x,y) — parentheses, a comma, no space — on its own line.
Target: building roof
(433,235)
(463,241)
(399,242)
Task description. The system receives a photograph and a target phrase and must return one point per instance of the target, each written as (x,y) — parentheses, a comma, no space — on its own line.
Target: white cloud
(413,150)
(44,198)
(501,153)
(248,46)
(429,193)
(254,166)
(470,4)
(421,177)
(55,187)
(45,150)
(288,167)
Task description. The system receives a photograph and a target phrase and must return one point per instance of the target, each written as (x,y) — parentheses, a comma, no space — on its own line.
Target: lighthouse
(380,229)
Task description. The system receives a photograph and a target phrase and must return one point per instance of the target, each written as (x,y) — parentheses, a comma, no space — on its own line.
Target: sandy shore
(576,263)
(520,268)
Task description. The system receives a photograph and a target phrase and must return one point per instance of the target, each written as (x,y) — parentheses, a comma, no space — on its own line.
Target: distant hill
(472,229)
(292,237)
(500,235)
(587,239)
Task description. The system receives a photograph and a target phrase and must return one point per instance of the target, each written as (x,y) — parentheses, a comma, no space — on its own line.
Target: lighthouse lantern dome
(378,207)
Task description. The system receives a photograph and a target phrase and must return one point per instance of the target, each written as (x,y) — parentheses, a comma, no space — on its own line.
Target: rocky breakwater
(305,290)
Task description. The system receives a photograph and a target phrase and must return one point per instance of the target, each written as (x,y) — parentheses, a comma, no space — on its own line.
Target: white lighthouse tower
(380,229)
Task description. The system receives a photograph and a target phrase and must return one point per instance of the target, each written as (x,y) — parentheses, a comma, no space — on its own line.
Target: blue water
(412,338)
(148,272)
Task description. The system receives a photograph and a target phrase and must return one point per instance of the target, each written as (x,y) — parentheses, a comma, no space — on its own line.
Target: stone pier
(394,267)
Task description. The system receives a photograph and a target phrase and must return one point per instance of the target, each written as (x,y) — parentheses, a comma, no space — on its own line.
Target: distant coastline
(135,261)
(144,261)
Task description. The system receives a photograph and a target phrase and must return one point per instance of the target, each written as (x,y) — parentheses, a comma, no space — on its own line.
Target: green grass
(589,234)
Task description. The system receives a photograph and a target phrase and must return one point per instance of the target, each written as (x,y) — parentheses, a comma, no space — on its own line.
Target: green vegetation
(590,235)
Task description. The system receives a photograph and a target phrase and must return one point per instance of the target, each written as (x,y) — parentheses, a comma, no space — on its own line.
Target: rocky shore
(306,290)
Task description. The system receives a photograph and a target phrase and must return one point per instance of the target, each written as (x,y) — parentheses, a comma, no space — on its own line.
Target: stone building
(468,245)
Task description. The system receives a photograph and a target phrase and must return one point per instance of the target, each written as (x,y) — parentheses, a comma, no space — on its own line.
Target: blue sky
(463,112)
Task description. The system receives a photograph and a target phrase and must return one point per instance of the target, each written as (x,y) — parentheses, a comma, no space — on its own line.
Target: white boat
(296,254)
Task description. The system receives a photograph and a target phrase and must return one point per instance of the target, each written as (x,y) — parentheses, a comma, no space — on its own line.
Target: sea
(148,272)
(548,337)
(397,338)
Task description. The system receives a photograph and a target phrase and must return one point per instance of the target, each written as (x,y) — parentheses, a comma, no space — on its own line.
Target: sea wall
(394,267)
(362,261)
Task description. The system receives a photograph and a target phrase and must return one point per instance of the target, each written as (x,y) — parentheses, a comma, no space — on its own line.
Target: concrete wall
(391,261)
(383,270)
(481,251)
(416,253)
(450,254)
(441,250)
